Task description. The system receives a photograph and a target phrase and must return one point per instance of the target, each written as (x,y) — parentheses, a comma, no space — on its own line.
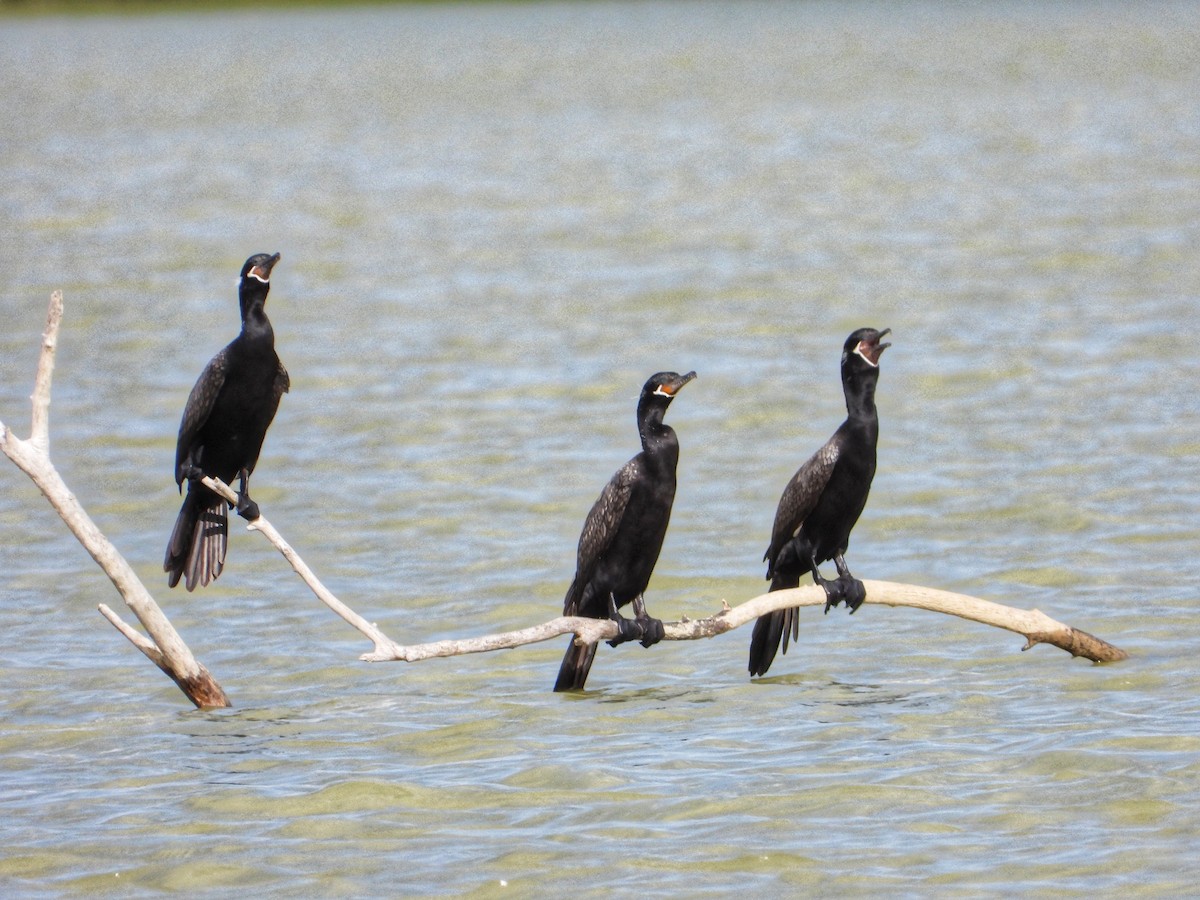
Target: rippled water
(495,222)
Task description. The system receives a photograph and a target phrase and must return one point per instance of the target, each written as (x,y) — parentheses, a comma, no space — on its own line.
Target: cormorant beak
(262,271)
(872,349)
(671,388)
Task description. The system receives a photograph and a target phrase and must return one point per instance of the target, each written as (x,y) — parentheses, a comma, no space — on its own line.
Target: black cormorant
(224,423)
(624,532)
(823,501)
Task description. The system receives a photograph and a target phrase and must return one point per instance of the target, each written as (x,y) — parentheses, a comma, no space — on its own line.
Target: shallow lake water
(496,221)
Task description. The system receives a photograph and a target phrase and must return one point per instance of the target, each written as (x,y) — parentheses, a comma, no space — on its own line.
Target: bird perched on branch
(221,434)
(822,503)
(623,534)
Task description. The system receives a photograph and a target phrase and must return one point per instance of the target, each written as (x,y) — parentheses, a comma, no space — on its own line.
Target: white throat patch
(858,351)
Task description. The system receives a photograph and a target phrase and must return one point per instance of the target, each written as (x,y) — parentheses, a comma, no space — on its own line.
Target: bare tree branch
(39,427)
(169,652)
(1036,627)
(382,643)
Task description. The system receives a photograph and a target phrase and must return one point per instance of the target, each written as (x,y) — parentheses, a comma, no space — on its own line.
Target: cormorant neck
(859,387)
(656,436)
(255,323)
(252,296)
(252,293)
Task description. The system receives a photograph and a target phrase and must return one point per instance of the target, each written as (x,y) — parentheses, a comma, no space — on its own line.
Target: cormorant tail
(196,551)
(775,626)
(573,673)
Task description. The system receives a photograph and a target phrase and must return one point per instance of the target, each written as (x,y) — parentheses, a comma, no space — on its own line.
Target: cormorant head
(258,268)
(659,391)
(657,394)
(666,385)
(865,345)
(255,282)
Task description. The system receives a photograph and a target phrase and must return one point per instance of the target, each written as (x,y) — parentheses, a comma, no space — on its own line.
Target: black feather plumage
(221,433)
(823,501)
(624,532)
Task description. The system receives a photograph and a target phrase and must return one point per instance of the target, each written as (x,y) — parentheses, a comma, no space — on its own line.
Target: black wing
(199,407)
(599,530)
(800,499)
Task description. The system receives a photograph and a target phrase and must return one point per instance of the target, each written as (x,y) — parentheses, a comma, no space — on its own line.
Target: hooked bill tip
(670,389)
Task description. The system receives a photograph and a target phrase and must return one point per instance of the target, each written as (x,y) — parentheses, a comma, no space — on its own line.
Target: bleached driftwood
(165,648)
(261,525)
(1035,626)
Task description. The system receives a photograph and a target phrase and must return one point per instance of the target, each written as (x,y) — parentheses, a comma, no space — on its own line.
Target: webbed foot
(643,628)
(835,592)
(854,595)
(849,588)
(247,508)
(652,630)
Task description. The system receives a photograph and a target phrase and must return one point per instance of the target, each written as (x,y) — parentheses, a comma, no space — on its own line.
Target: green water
(495,222)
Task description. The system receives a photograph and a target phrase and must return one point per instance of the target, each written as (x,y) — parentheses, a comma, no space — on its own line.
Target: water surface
(496,222)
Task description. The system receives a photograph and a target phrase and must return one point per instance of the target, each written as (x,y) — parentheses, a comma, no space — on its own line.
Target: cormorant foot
(835,593)
(627,630)
(854,593)
(644,629)
(652,631)
(247,508)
